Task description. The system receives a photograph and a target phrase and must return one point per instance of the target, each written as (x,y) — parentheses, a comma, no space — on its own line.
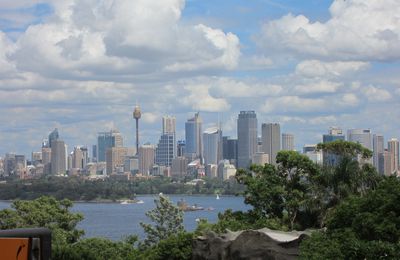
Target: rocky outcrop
(248,244)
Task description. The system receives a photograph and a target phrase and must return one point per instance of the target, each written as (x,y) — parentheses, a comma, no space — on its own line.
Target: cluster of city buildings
(202,153)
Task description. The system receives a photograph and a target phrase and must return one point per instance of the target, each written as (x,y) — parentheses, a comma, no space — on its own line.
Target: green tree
(167,219)
(44,212)
(361,227)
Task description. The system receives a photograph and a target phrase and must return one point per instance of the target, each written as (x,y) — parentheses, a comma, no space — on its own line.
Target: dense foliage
(361,227)
(76,189)
(44,212)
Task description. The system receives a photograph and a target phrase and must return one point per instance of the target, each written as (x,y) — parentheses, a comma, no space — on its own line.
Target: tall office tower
(193,138)
(271,140)
(58,157)
(212,149)
(378,147)
(94,153)
(393,148)
(79,157)
(168,124)
(334,134)
(146,158)
(115,157)
(287,142)
(166,149)
(53,136)
(181,148)
(229,149)
(178,169)
(361,136)
(46,160)
(247,138)
(107,140)
(385,163)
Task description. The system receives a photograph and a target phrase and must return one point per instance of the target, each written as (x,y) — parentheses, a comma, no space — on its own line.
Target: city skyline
(308,65)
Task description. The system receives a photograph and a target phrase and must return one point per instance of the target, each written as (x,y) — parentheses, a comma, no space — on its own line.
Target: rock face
(248,244)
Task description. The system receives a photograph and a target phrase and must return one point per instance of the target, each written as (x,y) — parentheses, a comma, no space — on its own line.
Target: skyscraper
(107,140)
(229,149)
(115,158)
(385,163)
(247,137)
(361,136)
(193,138)
(393,148)
(166,148)
(58,157)
(334,134)
(287,142)
(378,147)
(146,158)
(212,140)
(271,140)
(53,136)
(168,124)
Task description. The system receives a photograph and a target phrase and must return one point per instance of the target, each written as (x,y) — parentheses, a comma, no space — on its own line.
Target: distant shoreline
(118,201)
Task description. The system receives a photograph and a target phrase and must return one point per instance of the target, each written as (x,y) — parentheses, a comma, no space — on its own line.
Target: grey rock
(248,244)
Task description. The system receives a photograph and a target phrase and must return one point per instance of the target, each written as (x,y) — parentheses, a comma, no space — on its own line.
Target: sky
(82,65)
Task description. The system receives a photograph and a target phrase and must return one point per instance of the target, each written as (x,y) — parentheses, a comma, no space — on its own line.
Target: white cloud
(376,94)
(317,87)
(200,99)
(292,104)
(316,68)
(107,39)
(349,99)
(356,30)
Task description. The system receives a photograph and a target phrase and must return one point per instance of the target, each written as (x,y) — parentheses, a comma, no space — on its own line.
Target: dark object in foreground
(248,244)
(34,242)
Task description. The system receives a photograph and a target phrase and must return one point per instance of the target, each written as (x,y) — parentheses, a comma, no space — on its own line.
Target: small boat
(140,202)
(124,202)
(217,197)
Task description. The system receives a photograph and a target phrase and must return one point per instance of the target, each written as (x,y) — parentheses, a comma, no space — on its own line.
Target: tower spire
(136,115)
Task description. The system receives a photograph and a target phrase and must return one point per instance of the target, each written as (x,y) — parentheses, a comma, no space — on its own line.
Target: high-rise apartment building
(247,138)
(287,142)
(146,158)
(393,149)
(178,169)
(193,138)
(271,140)
(80,157)
(115,158)
(212,141)
(107,140)
(58,157)
(378,147)
(385,163)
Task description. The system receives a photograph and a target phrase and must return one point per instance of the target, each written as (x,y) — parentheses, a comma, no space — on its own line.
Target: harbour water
(115,221)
